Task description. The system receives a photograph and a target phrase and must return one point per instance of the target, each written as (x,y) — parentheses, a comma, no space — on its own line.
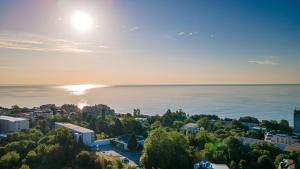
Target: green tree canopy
(165,150)
(132,142)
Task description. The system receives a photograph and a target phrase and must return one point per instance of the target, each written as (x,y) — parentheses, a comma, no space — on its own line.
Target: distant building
(280,138)
(190,128)
(13,124)
(207,165)
(87,135)
(297,120)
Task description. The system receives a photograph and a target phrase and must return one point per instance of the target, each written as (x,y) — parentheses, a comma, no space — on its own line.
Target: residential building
(13,124)
(207,165)
(190,128)
(297,120)
(87,135)
(276,138)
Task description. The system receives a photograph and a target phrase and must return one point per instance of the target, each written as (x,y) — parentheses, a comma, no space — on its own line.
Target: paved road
(134,157)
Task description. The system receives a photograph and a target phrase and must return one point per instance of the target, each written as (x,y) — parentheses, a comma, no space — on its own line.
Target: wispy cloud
(33,42)
(186,34)
(103,46)
(135,28)
(264,62)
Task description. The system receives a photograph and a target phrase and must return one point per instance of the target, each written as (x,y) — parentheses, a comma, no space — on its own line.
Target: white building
(280,138)
(87,135)
(13,124)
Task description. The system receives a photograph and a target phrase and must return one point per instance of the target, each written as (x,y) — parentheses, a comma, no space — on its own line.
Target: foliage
(249,119)
(165,150)
(10,160)
(132,142)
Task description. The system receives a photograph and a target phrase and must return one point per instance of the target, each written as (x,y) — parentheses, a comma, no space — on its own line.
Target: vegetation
(165,146)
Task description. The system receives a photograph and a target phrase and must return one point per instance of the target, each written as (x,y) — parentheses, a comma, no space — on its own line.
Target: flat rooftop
(74,127)
(12,119)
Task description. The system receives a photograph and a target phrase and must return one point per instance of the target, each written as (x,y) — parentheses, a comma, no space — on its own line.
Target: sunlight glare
(82,21)
(80,89)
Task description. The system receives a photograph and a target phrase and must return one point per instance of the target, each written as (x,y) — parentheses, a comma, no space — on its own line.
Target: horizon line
(162,84)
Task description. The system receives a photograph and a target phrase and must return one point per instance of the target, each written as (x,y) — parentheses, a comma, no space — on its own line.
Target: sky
(150,42)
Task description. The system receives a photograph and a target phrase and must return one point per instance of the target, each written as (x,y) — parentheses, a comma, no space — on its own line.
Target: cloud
(264,62)
(181,33)
(103,46)
(135,28)
(33,42)
(186,34)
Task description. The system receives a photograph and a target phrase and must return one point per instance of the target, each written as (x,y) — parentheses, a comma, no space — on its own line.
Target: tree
(203,122)
(243,164)
(234,148)
(117,127)
(82,159)
(233,165)
(10,160)
(265,162)
(278,159)
(165,150)
(132,142)
(24,166)
(31,157)
(15,109)
(136,112)
(249,119)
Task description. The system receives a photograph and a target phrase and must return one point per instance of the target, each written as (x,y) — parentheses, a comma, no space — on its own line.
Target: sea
(265,102)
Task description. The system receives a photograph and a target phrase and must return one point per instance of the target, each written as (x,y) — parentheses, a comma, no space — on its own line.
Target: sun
(82,21)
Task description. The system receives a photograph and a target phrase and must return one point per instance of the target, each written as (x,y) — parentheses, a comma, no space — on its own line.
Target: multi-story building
(13,124)
(297,120)
(280,138)
(87,135)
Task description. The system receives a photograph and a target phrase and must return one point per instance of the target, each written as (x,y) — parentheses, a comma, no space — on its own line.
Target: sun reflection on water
(80,89)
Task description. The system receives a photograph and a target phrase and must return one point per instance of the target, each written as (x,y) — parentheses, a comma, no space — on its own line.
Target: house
(277,138)
(13,124)
(87,135)
(207,165)
(190,128)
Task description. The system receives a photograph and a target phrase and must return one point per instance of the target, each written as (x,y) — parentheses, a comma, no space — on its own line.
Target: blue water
(262,101)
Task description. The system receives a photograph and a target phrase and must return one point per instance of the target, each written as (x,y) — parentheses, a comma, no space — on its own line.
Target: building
(280,138)
(207,165)
(87,135)
(13,124)
(297,120)
(190,128)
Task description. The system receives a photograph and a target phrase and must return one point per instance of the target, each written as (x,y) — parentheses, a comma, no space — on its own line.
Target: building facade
(297,120)
(13,124)
(280,138)
(87,135)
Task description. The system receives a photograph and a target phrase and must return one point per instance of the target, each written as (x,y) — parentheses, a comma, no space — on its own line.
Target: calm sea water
(233,101)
